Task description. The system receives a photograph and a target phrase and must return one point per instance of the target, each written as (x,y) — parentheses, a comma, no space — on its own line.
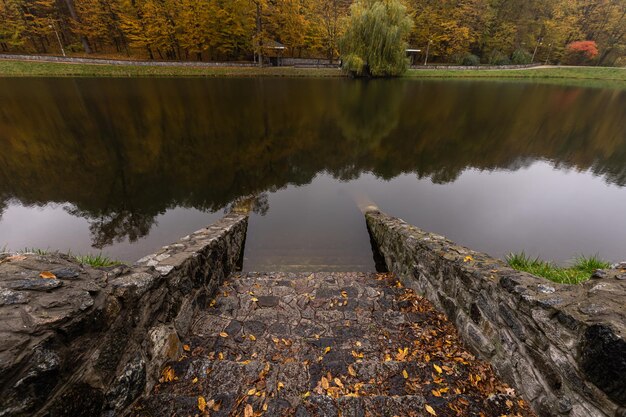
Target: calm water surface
(124,166)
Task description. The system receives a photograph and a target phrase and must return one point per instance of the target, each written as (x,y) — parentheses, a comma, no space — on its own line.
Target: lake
(124,166)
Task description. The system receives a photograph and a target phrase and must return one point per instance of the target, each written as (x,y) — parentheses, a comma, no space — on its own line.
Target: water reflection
(124,152)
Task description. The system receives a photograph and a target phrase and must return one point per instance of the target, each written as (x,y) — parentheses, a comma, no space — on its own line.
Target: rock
(8,297)
(128,385)
(65,273)
(599,274)
(267,301)
(38,284)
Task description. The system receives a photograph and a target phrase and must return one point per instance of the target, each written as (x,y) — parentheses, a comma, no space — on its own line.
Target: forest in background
(494,31)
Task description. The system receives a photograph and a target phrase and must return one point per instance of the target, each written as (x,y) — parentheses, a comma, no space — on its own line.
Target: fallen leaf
(168,374)
(351,370)
(194,380)
(326,350)
(47,275)
(468,259)
(430,410)
(223,334)
(324,383)
(252,337)
(254,299)
(306,394)
(201,404)
(338,382)
(437,368)
(279,386)
(251,391)
(186,348)
(344,294)
(405,374)
(248,411)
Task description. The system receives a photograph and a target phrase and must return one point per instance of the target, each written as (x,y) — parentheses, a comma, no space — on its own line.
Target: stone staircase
(325,344)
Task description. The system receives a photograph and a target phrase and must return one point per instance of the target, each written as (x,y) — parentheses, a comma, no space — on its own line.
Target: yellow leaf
(468,259)
(351,370)
(194,380)
(358,344)
(436,393)
(248,411)
(357,354)
(405,374)
(344,294)
(279,386)
(338,382)
(212,303)
(186,348)
(437,368)
(220,356)
(324,383)
(430,410)
(251,391)
(252,337)
(254,299)
(201,404)
(306,394)
(223,334)
(265,407)
(326,350)
(168,374)
(47,275)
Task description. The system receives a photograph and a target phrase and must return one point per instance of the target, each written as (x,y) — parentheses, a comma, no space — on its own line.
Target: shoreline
(30,68)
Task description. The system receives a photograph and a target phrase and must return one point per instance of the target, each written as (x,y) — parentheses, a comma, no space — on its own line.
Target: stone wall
(474,67)
(561,346)
(79,341)
(101,61)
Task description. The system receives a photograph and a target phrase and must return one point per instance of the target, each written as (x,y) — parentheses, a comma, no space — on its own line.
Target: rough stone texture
(268,339)
(562,346)
(89,341)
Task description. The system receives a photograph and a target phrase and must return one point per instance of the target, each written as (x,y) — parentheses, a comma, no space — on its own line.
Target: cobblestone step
(320,344)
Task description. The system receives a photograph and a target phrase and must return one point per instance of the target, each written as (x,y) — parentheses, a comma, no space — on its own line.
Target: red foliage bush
(580,52)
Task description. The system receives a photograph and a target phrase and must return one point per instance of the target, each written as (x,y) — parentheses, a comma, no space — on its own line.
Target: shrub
(580,52)
(470,60)
(521,57)
(498,58)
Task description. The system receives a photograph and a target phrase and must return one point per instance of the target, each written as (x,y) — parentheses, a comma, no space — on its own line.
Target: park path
(325,344)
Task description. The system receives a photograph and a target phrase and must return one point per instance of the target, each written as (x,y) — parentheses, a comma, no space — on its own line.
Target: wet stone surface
(325,344)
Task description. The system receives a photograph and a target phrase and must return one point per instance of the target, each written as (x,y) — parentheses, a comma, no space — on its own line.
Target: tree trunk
(259,28)
(83,39)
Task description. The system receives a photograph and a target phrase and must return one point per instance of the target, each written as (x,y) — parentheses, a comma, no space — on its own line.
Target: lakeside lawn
(577,75)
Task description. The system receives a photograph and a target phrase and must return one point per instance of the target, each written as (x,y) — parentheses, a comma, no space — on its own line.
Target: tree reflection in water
(121,152)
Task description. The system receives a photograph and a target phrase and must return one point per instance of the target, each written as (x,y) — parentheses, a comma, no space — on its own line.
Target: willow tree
(374,44)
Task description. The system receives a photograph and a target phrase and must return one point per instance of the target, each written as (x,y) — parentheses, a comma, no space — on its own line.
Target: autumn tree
(581,52)
(374,44)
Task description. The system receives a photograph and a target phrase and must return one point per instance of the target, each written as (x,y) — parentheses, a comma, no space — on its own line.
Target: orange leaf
(201,404)
(47,275)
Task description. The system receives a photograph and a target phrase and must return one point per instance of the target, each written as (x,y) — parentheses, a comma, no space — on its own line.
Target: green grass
(96,261)
(580,73)
(580,271)
(54,69)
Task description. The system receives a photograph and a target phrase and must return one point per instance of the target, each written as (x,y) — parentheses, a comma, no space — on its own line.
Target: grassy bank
(54,69)
(577,75)
(582,268)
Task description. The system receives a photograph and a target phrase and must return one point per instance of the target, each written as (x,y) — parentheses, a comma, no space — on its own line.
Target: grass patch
(96,261)
(581,270)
